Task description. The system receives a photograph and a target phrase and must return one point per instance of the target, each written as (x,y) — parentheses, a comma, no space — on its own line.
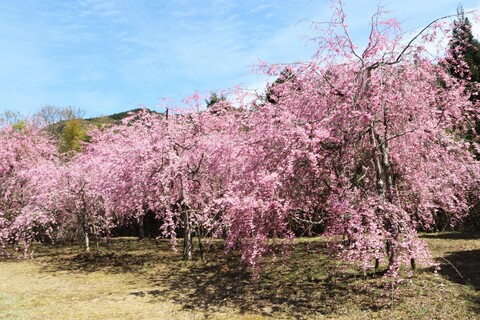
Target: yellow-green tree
(72,135)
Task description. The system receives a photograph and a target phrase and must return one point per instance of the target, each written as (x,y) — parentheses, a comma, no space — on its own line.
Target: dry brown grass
(130,279)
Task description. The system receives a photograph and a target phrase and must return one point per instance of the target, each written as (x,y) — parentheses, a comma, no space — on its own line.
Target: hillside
(116,117)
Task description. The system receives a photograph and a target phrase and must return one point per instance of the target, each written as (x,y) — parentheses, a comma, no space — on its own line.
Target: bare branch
(420,33)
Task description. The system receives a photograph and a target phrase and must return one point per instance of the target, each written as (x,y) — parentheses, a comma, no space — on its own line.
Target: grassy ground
(130,279)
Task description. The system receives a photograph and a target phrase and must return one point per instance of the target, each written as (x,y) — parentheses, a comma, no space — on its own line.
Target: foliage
(274,91)
(72,135)
(464,48)
(117,117)
(214,98)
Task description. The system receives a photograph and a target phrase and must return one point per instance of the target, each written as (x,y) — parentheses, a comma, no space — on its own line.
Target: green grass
(131,279)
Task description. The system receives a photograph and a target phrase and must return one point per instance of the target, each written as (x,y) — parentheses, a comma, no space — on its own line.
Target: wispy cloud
(112,54)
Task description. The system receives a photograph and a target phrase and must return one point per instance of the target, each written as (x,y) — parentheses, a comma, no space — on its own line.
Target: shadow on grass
(463,267)
(459,265)
(121,256)
(452,235)
(309,284)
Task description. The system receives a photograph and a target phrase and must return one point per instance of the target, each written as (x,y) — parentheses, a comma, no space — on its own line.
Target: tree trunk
(187,237)
(85,229)
(141,228)
(95,234)
(200,247)
(84,220)
(390,253)
(87,241)
(384,181)
(187,228)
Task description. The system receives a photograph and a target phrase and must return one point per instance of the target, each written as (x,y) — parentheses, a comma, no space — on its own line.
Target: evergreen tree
(463,62)
(214,98)
(286,77)
(464,48)
(217,104)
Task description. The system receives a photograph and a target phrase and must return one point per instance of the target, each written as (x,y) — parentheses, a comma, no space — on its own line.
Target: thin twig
(458,272)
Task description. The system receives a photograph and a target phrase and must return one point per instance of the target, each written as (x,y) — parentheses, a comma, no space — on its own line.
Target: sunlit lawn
(131,279)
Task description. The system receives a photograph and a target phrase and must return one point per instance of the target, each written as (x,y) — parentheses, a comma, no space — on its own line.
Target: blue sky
(107,56)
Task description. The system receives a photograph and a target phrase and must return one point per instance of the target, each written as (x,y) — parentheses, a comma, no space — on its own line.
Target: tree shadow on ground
(126,255)
(463,267)
(307,286)
(459,260)
(453,235)
(310,284)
